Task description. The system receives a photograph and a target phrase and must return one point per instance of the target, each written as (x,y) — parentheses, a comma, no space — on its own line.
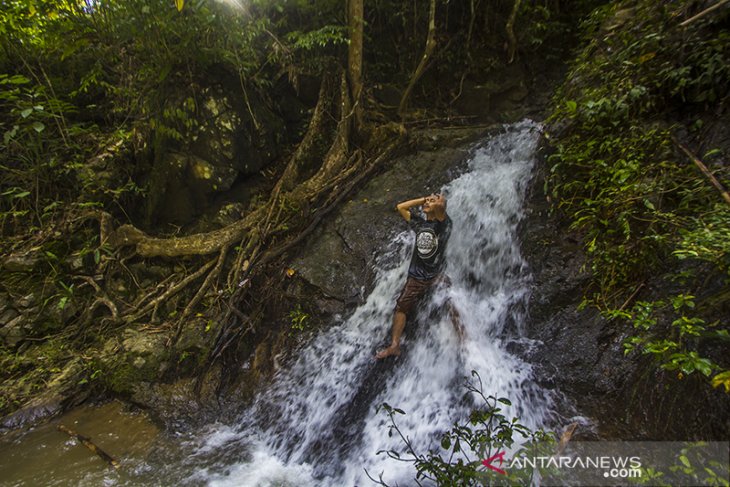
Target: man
(427,263)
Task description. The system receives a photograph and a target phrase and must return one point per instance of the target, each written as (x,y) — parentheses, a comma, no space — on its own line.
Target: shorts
(414,289)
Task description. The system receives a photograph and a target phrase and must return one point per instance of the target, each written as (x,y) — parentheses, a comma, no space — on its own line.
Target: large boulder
(132,359)
(231,140)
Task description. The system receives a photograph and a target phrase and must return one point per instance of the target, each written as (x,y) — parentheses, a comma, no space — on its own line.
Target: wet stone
(20,263)
(27,301)
(13,332)
(7,315)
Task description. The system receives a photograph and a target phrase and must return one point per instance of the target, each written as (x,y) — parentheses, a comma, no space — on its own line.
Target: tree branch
(428,51)
(717,184)
(703,13)
(510,28)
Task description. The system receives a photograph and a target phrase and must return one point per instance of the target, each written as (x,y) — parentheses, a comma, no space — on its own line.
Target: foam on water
(317,424)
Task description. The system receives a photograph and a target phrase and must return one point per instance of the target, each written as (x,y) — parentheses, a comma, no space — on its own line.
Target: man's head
(435,205)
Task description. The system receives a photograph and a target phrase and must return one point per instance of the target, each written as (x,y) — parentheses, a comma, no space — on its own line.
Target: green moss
(120,374)
(24,374)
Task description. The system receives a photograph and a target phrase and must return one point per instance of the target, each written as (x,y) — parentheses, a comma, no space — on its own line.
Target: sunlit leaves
(327,35)
(723,379)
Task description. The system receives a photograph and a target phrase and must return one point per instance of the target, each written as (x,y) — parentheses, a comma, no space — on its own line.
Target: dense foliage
(88,92)
(180,117)
(649,218)
(104,105)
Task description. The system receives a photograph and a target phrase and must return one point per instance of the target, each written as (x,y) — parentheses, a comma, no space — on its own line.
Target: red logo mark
(488,463)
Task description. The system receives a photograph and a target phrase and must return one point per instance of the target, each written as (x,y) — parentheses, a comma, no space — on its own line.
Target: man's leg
(411,292)
(399,324)
(453,312)
(456,321)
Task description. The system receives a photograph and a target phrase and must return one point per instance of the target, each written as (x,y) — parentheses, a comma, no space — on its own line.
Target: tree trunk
(510,28)
(428,51)
(355,22)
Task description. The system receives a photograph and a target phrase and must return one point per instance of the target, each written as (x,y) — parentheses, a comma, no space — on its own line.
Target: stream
(316,424)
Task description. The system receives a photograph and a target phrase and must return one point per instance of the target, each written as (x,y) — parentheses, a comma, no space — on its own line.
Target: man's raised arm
(406,205)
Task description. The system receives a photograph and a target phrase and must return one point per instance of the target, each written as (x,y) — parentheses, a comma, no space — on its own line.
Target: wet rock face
(580,354)
(62,392)
(131,359)
(338,261)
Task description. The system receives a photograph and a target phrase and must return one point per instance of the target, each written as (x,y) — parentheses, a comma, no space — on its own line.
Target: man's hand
(406,205)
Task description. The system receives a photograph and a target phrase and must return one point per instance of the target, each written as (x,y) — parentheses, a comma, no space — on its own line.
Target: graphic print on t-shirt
(427,243)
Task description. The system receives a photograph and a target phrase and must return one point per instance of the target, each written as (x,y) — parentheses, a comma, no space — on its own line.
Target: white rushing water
(317,424)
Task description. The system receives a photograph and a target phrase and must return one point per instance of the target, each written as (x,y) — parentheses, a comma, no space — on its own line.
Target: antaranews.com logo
(619,463)
(612,467)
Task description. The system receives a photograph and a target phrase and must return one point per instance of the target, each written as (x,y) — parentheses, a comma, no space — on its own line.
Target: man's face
(434,203)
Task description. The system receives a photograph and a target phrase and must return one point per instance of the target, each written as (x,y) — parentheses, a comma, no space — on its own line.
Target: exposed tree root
(212,277)
(318,176)
(171,291)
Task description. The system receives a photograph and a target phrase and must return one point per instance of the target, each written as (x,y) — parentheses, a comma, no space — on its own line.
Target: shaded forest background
(160,159)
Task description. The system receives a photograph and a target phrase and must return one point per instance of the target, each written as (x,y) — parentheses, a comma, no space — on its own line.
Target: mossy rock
(138,357)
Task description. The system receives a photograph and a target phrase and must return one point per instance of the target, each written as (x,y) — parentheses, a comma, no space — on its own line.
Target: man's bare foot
(387,352)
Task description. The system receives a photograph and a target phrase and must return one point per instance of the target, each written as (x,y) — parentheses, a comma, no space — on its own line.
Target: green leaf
(26,113)
(164,72)
(38,127)
(179,4)
(50,207)
(705,367)
(10,134)
(723,378)
(18,80)
(445,442)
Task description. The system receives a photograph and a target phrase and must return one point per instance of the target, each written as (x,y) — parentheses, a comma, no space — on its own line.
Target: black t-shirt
(427,261)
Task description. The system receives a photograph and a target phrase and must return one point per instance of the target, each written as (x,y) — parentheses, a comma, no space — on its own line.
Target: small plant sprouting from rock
(486,433)
(299,319)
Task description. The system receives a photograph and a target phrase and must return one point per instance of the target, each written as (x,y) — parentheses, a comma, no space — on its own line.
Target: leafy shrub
(616,173)
(485,434)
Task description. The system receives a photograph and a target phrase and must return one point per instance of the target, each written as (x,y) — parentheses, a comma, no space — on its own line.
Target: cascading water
(317,424)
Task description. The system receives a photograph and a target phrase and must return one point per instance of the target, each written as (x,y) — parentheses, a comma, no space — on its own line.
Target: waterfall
(316,423)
